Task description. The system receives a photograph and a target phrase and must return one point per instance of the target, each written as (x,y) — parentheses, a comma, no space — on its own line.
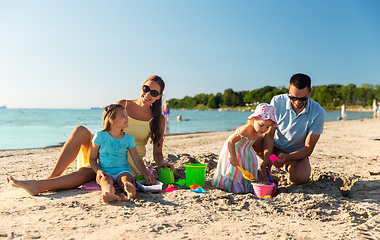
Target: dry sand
(342,201)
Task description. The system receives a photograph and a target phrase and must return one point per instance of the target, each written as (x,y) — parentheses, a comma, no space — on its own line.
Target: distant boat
(3,107)
(96,108)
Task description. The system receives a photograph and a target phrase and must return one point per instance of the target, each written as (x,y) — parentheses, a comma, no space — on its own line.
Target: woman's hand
(166,165)
(281,160)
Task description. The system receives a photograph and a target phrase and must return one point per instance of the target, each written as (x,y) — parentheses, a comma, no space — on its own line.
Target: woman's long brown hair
(157,134)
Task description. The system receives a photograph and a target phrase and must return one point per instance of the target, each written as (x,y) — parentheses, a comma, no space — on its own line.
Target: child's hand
(234,162)
(99,175)
(266,164)
(150,180)
(281,160)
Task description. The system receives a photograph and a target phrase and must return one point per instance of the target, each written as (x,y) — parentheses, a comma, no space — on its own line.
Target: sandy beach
(342,201)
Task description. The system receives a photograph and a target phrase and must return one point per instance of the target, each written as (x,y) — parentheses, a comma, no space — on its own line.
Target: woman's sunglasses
(300,99)
(153,93)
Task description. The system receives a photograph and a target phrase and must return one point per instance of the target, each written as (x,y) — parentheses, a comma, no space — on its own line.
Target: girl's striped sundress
(231,178)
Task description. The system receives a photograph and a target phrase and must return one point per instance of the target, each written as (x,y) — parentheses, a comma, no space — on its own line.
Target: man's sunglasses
(153,93)
(302,99)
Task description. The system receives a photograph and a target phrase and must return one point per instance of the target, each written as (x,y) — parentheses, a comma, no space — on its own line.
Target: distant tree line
(329,96)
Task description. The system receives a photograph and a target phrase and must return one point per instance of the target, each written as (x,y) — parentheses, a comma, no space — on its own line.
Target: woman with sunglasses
(145,121)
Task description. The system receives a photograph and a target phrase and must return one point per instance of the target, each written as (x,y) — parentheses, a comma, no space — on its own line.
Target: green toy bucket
(195,174)
(166,176)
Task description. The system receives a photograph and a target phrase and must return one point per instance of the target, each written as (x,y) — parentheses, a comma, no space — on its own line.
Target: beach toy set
(195,178)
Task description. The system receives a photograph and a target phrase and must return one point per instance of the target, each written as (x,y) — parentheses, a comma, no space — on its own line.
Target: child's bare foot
(29,186)
(109,197)
(130,190)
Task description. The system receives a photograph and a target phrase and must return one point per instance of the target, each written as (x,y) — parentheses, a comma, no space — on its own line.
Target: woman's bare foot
(130,190)
(29,186)
(109,197)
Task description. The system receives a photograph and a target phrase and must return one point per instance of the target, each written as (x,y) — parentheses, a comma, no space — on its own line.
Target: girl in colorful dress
(109,155)
(238,150)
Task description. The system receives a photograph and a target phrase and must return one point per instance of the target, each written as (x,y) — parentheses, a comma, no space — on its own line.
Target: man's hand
(281,160)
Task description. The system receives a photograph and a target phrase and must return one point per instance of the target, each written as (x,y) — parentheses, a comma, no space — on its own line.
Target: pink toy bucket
(263,189)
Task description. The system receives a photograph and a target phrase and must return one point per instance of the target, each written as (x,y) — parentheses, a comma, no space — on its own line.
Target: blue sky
(82,54)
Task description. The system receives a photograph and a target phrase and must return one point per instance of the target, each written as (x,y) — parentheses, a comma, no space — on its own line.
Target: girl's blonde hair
(109,112)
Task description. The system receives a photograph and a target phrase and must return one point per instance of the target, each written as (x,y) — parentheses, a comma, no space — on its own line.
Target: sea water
(36,128)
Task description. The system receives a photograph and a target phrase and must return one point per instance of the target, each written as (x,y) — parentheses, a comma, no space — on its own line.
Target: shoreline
(341,201)
(248,109)
(166,135)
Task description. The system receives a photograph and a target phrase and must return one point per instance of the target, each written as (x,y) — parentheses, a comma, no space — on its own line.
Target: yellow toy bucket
(195,174)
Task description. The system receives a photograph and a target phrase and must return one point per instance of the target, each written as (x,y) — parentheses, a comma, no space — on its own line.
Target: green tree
(329,96)
(214,102)
(227,98)
(257,95)
(347,93)
(202,98)
(377,93)
(323,95)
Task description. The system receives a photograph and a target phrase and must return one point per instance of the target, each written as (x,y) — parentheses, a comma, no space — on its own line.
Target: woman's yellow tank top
(140,130)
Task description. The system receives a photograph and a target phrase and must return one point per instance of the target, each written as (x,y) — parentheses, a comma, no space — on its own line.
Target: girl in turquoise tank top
(109,158)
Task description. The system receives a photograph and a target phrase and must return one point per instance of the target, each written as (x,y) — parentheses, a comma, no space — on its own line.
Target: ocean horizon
(39,128)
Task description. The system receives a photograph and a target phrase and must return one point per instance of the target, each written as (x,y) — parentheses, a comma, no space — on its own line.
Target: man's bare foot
(29,186)
(109,197)
(130,190)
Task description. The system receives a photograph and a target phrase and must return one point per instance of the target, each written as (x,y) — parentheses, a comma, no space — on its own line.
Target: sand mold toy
(273,158)
(149,188)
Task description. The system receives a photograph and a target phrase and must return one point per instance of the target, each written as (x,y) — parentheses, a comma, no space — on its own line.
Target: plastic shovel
(271,180)
(247,175)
